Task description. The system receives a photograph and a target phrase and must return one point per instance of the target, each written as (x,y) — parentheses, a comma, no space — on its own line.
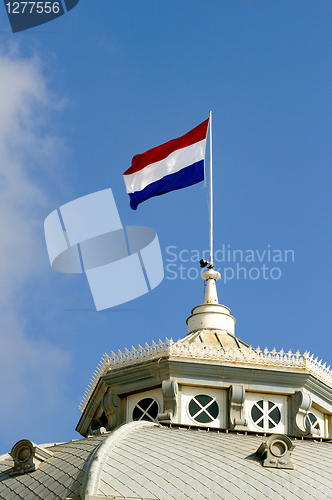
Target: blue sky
(79,97)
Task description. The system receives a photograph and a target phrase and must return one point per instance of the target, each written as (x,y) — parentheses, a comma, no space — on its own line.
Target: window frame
(320,417)
(278,401)
(187,392)
(133,399)
(204,409)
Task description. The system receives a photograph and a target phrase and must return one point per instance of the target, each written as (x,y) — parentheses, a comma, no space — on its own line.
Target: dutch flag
(174,165)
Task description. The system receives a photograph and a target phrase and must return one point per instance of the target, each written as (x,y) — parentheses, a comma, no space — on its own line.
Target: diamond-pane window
(203,409)
(146,409)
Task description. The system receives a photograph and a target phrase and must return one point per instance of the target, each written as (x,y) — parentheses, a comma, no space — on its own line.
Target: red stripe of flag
(158,153)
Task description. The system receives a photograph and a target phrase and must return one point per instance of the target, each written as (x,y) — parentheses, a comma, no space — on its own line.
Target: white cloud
(30,370)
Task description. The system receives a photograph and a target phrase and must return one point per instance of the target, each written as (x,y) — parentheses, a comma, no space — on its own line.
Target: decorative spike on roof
(188,348)
(211,338)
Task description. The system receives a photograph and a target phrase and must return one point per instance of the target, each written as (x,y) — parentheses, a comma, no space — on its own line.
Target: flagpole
(210,276)
(211,197)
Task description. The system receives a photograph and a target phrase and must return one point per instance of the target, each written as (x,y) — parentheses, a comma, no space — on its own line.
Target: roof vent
(27,457)
(277,452)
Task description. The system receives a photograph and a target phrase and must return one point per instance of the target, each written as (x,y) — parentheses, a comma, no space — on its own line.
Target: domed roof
(229,422)
(147,461)
(60,476)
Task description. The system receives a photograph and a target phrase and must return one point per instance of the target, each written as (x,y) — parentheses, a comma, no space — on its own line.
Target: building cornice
(287,362)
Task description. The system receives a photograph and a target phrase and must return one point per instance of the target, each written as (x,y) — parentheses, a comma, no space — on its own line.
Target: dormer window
(203,409)
(144,406)
(312,420)
(317,421)
(146,409)
(202,406)
(266,413)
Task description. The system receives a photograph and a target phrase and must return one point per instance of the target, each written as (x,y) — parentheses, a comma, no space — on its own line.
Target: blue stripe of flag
(185,177)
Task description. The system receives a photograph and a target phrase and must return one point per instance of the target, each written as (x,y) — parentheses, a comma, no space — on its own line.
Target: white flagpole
(211,196)
(210,276)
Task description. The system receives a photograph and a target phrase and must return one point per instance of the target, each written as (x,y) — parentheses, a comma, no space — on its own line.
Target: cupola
(210,378)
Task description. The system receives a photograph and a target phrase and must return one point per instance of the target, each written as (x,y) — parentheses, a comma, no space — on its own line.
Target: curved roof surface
(61,476)
(142,460)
